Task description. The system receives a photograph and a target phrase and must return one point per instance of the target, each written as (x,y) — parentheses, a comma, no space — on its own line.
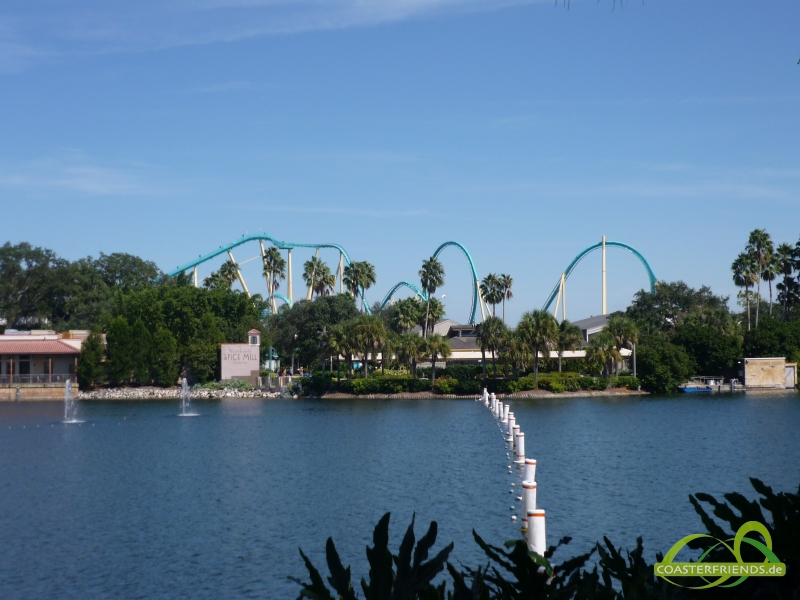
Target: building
(242,361)
(36,364)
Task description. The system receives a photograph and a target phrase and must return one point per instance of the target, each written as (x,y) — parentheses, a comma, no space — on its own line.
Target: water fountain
(186,400)
(69,404)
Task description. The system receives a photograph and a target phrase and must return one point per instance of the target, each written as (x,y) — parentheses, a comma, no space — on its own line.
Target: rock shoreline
(173,393)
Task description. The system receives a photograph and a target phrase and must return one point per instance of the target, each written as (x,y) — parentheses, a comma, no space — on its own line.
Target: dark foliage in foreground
(515,573)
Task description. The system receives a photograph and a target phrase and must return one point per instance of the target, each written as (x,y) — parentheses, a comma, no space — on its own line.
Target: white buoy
(498,409)
(530,469)
(515,431)
(493,401)
(510,432)
(506,410)
(537,540)
(520,448)
(528,501)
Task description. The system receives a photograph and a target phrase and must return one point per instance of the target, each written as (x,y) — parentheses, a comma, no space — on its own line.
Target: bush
(228,384)
(445,385)
(626,381)
(552,385)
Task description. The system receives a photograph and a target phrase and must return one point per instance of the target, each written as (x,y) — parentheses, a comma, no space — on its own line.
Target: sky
(522,129)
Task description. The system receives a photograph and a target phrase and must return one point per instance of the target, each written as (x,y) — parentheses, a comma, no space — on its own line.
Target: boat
(698,385)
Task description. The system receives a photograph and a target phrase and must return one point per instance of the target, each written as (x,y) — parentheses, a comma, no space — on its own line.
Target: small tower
(254,337)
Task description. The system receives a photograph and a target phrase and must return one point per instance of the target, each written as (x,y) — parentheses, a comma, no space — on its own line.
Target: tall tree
(744,269)
(769,273)
(274,270)
(435,313)
(370,334)
(759,245)
(438,347)
(405,314)
(166,366)
(785,256)
(229,272)
(119,350)
(603,349)
(491,336)
(358,277)
(141,346)
(507,282)
(569,338)
(90,364)
(539,330)
(431,276)
(492,291)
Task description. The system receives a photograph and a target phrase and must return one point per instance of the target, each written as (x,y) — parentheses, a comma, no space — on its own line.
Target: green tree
(785,258)
(370,335)
(229,272)
(744,269)
(759,246)
(27,282)
(90,364)
(507,281)
(661,310)
(713,352)
(662,365)
(492,291)
(125,272)
(491,336)
(603,350)
(539,330)
(274,271)
(140,351)
(165,365)
(774,338)
(435,313)
(216,280)
(431,277)
(410,348)
(358,277)
(202,355)
(569,338)
(405,314)
(438,347)
(119,351)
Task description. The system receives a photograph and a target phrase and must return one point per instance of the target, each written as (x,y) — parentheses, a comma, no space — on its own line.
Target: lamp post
(293,351)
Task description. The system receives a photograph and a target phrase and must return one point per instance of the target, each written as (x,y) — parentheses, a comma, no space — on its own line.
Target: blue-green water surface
(138,503)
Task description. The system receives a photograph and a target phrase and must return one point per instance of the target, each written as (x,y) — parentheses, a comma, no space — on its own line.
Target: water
(136,503)
(186,400)
(69,404)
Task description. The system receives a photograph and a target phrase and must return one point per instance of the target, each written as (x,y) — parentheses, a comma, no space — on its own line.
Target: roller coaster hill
(557,296)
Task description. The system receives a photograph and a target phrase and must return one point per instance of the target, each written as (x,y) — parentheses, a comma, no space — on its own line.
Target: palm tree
(229,272)
(274,270)
(786,262)
(744,273)
(406,314)
(324,280)
(515,352)
(431,276)
(438,346)
(369,334)
(624,331)
(492,290)
(358,277)
(214,281)
(759,245)
(569,338)
(310,272)
(770,273)
(539,330)
(435,314)
(491,334)
(410,348)
(507,282)
(603,349)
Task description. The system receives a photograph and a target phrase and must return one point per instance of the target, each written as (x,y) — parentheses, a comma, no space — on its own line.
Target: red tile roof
(36,347)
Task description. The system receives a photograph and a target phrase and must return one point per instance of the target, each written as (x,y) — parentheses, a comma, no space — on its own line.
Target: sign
(239,360)
(726,574)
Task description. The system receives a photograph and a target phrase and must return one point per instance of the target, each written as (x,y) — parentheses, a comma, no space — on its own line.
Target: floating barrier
(510,431)
(504,418)
(528,501)
(530,470)
(537,540)
(519,440)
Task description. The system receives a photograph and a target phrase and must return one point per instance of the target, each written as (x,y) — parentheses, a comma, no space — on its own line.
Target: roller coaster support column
(563,297)
(341,273)
(481,301)
(604,275)
(195,276)
(239,274)
(311,282)
(289,281)
(268,277)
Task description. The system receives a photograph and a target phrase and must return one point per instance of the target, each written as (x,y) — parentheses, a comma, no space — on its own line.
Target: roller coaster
(478,303)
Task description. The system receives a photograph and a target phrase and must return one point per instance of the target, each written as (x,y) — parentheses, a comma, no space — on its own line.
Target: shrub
(445,385)
(626,381)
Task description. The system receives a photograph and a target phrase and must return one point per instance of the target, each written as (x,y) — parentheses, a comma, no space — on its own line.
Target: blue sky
(522,129)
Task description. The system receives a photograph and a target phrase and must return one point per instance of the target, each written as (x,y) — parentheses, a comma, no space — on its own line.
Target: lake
(138,503)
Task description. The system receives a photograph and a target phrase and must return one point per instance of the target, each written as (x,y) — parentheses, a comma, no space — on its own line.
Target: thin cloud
(97,26)
(336,211)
